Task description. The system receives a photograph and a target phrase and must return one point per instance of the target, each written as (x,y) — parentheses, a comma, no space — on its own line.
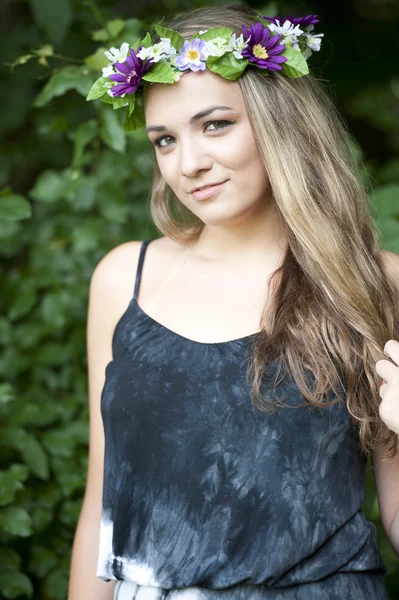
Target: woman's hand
(389,390)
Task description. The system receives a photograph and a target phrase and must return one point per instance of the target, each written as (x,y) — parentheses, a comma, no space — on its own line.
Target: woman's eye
(224,123)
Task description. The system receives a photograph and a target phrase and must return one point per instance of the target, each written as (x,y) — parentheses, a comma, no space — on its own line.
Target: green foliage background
(72,186)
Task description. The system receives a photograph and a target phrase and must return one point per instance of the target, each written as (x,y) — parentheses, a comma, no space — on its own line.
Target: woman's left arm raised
(386,474)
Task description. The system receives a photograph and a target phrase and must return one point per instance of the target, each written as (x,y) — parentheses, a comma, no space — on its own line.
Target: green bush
(74,185)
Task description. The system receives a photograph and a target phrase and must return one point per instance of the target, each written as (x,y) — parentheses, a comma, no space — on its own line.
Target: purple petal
(122,88)
(147,65)
(198,44)
(185,47)
(276,50)
(275,39)
(118,77)
(279,59)
(118,90)
(245,31)
(182,62)
(272,19)
(199,67)
(123,68)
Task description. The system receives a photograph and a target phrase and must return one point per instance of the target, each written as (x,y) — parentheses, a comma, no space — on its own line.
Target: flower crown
(279,45)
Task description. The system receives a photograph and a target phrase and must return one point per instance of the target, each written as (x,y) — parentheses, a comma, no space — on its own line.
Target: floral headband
(279,45)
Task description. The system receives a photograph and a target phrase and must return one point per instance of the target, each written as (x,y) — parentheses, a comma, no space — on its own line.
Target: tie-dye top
(203,489)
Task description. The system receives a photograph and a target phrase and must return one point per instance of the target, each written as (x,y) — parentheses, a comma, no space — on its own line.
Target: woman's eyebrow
(196,117)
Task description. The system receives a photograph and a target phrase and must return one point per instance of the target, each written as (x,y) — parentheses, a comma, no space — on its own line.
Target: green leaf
(10,560)
(6,393)
(56,586)
(41,561)
(135,119)
(112,131)
(53,17)
(21,60)
(270,9)
(35,457)
(107,99)
(296,65)
(16,521)
(119,102)
(52,186)
(160,73)
(113,27)
(84,134)
(132,102)
(44,51)
(14,208)
(176,39)
(223,32)
(98,89)
(11,482)
(24,302)
(67,78)
(98,60)
(228,66)
(14,584)
(146,42)
(386,201)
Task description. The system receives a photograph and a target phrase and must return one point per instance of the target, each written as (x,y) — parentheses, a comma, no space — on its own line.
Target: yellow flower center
(259,51)
(193,54)
(132,74)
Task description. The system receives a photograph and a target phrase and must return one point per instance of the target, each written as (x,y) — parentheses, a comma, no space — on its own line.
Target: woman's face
(194,150)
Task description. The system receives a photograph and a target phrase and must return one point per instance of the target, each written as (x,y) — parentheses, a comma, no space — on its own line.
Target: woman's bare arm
(110,293)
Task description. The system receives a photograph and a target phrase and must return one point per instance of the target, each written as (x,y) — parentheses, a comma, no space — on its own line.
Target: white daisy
(163,49)
(115,55)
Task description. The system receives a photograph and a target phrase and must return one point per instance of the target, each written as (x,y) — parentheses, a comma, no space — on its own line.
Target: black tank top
(203,489)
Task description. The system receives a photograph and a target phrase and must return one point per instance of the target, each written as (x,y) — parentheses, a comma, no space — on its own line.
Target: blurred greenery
(73,185)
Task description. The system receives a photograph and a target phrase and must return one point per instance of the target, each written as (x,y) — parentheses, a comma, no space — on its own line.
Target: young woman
(234,362)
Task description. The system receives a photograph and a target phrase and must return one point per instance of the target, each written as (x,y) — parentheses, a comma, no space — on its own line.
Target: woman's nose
(193,159)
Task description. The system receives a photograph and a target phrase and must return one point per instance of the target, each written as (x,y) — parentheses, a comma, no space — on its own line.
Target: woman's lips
(208,191)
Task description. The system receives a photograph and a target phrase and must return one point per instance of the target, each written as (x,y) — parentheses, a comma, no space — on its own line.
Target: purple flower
(263,49)
(191,55)
(131,72)
(301,21)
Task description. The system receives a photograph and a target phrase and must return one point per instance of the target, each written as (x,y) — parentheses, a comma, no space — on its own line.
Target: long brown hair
(333,305)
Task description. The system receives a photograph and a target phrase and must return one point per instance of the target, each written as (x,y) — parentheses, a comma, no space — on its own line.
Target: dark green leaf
(11,482)
(6,393)
(14,208)
(35,457)
(84,134)
(53,17)
(10,560)
(52,186)
(113,27)
(98,60)
(41,561)
(23,303)
(56,586)
(15,521)
(67,78)
(14,584)
(112,131)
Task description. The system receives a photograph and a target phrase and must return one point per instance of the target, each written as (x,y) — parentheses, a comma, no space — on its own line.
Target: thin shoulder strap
(140,267)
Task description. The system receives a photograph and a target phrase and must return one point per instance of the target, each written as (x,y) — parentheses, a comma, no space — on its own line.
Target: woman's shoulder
(117,268)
